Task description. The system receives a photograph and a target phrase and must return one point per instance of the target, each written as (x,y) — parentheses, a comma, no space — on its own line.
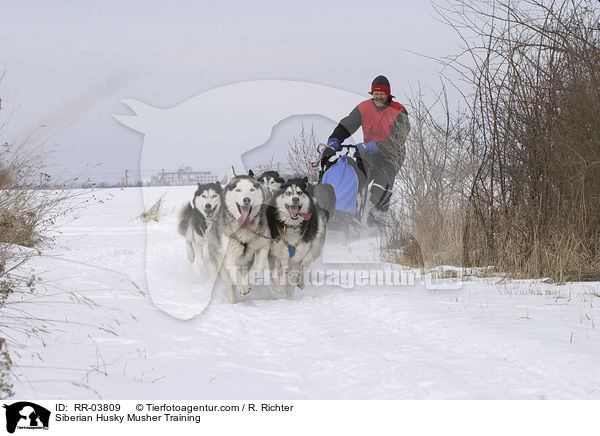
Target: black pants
(382,173)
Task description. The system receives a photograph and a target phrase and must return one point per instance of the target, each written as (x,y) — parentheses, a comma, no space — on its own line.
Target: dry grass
(401,247)
(28,224)
(427,217)
(5,365)
(155,212)
(28,216)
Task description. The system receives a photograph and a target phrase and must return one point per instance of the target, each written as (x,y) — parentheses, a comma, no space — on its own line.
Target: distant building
(183,176)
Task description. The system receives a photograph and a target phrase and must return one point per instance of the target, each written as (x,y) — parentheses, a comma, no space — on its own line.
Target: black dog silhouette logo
(26,415)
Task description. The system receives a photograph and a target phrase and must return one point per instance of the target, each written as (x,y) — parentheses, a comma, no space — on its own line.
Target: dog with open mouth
(195,221)
(297,225)
(239,240)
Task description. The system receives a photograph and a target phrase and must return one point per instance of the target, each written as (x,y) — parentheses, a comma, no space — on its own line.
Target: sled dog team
(249,222)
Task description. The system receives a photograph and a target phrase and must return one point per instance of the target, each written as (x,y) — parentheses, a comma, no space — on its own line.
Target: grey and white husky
(196,219)
(297,227)
(272,181)
(239,241)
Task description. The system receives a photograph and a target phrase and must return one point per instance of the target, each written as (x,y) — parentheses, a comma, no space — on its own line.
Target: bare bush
(534,207)
(28,218)
(269,165)
(154,212)
(426,226)
(302,152)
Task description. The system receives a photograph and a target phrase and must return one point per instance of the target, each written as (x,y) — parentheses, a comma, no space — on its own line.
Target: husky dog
(240,236)
(297,227)
(196,219)
(272,181)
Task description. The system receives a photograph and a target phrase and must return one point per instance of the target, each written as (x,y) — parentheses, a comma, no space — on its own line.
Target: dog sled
(341,188)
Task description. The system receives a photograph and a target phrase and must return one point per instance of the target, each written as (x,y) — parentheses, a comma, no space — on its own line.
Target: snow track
(521,340)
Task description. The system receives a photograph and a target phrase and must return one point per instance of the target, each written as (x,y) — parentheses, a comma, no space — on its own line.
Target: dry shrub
(534,208)
(427,217)
(303,152)
(5,178)
(155,212)
(28,215)
(269,165)
(5,365)
(401,246)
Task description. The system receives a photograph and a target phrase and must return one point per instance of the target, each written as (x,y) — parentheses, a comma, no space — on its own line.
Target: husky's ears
(305,180)
(251,173)
(230,174)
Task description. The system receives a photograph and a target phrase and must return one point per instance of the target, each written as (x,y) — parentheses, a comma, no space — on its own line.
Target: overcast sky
(69,63)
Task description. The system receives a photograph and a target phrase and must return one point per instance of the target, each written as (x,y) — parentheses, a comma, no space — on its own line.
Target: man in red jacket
(385,128)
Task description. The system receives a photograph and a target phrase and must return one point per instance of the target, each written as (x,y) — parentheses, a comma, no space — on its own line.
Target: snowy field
(127,317)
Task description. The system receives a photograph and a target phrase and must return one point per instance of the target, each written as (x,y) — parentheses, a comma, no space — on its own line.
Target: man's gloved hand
(334,143)
(327,153)
(367,146)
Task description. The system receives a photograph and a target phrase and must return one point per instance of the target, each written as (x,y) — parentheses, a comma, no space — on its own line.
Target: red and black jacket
(388,126)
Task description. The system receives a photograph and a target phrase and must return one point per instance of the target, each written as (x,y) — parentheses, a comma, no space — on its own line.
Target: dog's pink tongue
(244,219)
(305,216)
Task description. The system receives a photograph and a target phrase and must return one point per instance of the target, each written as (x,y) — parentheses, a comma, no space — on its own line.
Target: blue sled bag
(345,183)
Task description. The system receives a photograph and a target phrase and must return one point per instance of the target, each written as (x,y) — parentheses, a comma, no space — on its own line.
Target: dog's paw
(244,289)
(294,277)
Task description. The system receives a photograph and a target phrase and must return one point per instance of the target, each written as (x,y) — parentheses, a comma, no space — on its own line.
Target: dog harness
(291,248)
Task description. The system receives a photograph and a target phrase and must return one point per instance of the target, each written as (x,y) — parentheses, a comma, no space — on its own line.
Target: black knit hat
(381,84)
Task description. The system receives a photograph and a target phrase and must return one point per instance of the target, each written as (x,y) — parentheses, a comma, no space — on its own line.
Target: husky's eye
(203,196)
(252,189)
(299,193)
(288,193)
(238,190)
(214,196)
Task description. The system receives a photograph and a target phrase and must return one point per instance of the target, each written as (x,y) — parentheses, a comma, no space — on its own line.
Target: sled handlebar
(321,149)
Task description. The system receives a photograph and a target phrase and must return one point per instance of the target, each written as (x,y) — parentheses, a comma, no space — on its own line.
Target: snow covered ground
(115,332)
